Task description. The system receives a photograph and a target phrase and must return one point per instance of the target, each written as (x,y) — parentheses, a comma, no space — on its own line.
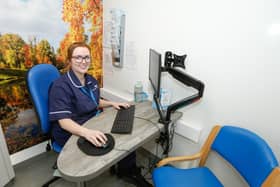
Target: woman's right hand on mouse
(96,137)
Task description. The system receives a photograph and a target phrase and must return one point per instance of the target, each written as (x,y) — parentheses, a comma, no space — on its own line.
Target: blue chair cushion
(168,176)
(247,152)
(57,148)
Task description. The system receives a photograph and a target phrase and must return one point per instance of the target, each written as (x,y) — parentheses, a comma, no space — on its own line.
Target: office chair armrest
(273,180)
(178,159)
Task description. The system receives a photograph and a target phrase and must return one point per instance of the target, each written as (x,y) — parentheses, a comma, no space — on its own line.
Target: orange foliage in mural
(72,14)
(93,13)
(76,14)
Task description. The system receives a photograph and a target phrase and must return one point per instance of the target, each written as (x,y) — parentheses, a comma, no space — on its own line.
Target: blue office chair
(39,79)
(248,153)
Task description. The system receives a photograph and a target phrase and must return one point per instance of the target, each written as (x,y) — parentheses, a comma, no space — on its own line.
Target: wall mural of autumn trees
(17,118)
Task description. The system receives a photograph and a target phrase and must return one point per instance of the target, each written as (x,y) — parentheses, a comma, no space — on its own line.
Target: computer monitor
(155,71)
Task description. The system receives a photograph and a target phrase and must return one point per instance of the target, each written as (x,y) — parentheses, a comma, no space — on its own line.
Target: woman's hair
(73,46)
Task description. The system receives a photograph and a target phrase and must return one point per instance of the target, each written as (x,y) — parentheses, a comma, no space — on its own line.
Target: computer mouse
(105,145)
(84,142)
(90,149)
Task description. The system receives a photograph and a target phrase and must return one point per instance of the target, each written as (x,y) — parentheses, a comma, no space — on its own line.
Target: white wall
(232,46)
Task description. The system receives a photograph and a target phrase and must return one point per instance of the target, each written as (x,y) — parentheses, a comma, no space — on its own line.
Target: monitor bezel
(156,88)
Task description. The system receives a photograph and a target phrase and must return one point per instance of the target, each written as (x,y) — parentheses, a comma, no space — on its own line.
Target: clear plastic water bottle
(138,90)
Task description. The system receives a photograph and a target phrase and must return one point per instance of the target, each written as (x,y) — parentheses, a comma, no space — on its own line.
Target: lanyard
(89,93)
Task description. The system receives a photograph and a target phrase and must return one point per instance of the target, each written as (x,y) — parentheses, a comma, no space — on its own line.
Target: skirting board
(28,153)
(188,131)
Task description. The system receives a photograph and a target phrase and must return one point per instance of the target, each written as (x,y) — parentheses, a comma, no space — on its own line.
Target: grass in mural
(17,118)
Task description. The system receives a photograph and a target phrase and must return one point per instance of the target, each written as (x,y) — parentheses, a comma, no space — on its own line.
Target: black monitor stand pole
(163,140)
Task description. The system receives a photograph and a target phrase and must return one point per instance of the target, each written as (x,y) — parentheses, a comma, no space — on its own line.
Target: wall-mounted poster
(34,32)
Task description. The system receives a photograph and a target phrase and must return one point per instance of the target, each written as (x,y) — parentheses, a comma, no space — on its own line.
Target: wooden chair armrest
(178,159)
(273,180)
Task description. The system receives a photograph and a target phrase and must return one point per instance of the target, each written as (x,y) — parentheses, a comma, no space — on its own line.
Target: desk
(76,166)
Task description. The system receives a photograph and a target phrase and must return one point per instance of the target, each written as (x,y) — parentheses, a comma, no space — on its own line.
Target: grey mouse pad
(90,149)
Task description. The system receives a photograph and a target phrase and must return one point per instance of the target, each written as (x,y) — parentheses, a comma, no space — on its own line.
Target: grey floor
(37,170)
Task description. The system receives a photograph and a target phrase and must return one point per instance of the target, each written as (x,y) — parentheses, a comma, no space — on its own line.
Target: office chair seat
(197,177)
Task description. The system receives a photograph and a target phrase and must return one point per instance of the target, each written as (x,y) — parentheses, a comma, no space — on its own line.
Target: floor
(37,170)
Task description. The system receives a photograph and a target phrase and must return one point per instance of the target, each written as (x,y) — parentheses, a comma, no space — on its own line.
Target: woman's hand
(95,137)
(118,105)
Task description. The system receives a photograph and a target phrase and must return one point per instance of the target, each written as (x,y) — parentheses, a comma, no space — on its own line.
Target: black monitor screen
(155,71)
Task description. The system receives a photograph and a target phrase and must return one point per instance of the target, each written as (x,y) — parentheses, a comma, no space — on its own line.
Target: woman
(74,98)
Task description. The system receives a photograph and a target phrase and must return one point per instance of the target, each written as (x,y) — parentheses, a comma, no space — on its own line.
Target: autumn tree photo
(18,53)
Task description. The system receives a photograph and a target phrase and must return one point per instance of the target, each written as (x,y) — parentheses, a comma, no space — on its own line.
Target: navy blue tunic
(67,100)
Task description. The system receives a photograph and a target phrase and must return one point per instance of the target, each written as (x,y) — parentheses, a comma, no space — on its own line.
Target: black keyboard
(123,123)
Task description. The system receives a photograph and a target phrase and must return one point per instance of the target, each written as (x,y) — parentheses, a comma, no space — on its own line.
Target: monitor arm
(186,80)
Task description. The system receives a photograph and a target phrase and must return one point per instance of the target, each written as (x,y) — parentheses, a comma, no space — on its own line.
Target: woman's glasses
(79,59)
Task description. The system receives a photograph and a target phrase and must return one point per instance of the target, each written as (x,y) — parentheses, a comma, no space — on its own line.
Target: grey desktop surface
(76,166)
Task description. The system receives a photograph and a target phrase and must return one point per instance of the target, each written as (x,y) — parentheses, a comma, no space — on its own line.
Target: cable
(163,145)
(171,130)
(155,124)
(166,138)
(171,135)
(152,164)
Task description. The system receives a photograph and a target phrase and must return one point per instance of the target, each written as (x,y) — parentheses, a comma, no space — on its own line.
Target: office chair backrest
(247,152)
(39,79)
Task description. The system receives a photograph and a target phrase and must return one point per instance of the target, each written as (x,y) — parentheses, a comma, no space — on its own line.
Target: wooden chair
(248,153)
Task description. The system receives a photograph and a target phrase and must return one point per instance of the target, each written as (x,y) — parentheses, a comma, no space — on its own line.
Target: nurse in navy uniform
(74,98)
